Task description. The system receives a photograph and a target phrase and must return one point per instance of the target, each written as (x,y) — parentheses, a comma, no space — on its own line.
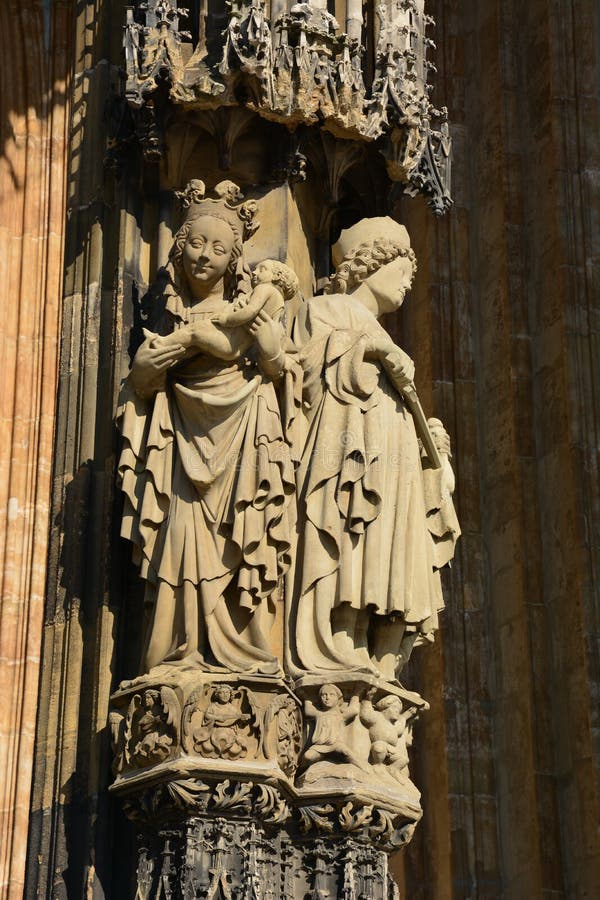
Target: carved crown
(227,203)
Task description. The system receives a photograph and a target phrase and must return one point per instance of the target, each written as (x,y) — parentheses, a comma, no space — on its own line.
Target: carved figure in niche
(366,585)
(439,488)
(390,731)
(328,740)
(221,732)
(152,726)
(288,736)
(205,466)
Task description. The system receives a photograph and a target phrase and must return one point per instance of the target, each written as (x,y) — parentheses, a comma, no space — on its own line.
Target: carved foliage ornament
(302,68)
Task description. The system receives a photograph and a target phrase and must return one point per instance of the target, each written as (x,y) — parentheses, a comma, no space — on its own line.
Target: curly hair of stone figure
(284,279)
(363,261)
(388,701)
(231,277)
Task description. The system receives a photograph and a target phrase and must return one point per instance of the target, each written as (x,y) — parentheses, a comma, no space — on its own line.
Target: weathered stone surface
(256,423)
(515,267)
(300,67)
(33,152)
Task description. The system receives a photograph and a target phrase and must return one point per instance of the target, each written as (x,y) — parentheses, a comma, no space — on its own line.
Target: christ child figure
(274,285)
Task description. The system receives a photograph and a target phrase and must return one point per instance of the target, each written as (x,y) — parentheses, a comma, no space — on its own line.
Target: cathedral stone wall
(512,274)
(35,85)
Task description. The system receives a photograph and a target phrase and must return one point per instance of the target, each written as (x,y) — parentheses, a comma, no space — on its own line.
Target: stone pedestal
(275,457)
(247,856)
(216,770)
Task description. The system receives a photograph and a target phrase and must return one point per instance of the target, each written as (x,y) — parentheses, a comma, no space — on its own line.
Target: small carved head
(390,706)
(223,693)
(151,698)
(330,696)
(271,271)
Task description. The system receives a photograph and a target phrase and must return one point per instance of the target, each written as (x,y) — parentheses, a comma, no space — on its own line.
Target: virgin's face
(206,254)
(390,283)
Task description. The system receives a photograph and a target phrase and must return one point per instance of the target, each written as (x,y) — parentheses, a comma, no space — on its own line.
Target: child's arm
(368,715)
(180,337)
(206,337)
(352,709)
(310,709)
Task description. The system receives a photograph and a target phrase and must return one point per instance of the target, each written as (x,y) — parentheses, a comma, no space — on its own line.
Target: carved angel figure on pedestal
(205,466)
(390,732)
(220,733)
(366,587)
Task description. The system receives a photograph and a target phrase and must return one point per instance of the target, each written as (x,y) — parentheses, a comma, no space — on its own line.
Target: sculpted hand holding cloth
(205,467)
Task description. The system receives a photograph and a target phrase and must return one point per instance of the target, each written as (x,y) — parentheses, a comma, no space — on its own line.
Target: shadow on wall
(35,66)
(82,844)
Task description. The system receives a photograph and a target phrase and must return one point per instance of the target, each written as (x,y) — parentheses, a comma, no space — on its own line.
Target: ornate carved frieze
(268,824)
(196,727)
(297,66)
(240,858)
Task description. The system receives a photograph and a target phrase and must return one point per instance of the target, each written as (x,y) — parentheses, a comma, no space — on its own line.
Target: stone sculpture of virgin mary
(205,467)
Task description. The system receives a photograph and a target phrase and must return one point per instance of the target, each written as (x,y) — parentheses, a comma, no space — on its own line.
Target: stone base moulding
(246,857)
(217,773)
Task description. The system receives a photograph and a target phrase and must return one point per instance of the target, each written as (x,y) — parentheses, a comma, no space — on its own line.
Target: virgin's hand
(150,365)
(267,335)
(156,355)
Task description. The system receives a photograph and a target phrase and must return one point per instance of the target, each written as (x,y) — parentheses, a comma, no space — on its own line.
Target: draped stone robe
(364,539)
(208,479)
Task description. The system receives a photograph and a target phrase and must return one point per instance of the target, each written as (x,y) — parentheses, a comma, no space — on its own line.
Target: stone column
(219,805)
(34,111)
